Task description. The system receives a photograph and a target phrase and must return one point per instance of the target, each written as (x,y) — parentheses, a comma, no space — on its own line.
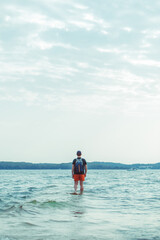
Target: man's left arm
(85,170)
(72,170)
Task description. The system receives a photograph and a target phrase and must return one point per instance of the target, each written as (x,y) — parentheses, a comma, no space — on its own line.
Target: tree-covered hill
(91,165)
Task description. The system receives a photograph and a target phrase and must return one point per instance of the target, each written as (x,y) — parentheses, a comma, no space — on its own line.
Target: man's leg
(75,185)
(81,187)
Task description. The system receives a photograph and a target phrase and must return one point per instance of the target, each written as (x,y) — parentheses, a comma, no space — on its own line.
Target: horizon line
(71,162)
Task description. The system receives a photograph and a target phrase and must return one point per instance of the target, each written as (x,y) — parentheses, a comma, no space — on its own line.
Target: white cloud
(110,50)
(145,44)
(99,23)
(35,42)
(21,16)
(16,70)
(91,18)
(10,98)
(30,97)
(151,33)
(2,89)
(40,44)
(82,24)
(83,65)
(87,21)
(22,95)
(7,18)
(79,6)
(127,29)
(104,32)
(1,47)
(82,103)
(141,61)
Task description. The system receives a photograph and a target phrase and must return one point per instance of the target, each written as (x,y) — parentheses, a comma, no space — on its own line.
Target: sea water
(116,204)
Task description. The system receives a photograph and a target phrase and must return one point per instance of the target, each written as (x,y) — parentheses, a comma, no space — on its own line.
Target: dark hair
(79,153)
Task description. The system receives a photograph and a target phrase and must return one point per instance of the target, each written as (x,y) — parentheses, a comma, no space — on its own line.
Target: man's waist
(79,173)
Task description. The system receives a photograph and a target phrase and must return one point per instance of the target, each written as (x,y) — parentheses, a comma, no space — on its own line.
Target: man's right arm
(72,170)
(85,170)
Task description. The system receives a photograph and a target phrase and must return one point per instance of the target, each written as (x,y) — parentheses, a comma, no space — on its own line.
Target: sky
(80,75)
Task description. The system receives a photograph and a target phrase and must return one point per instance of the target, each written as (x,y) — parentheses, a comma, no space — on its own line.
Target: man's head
(79,153)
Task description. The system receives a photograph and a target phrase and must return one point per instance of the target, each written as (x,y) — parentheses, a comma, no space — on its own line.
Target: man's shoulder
(84,160)
(74,160)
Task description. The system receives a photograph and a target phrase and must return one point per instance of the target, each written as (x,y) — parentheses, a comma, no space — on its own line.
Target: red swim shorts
(79,177)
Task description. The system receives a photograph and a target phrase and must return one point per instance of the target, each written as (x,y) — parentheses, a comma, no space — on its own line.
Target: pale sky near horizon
(80,75)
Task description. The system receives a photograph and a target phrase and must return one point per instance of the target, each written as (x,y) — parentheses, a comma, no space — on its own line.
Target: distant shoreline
(5,165)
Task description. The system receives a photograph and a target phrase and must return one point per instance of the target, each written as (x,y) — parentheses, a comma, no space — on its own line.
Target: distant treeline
(91,165)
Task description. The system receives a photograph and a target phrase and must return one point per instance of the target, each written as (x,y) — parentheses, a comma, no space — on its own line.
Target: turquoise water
(116,204)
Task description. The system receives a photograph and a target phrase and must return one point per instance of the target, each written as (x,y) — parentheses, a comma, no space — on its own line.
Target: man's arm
(85,170)
(72,170)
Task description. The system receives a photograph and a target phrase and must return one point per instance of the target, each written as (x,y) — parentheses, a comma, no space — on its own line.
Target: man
(79,171)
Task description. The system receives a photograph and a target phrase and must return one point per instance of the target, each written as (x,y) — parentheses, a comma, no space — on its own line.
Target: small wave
(13,210)
(34,201)
(154,238)
(29,224)
(51,186)
(9,209)
(49,203)
(31,189)
(25,196)
(7,238)
(20,193)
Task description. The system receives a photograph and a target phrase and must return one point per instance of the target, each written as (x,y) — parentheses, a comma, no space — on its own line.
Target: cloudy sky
(80,75)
